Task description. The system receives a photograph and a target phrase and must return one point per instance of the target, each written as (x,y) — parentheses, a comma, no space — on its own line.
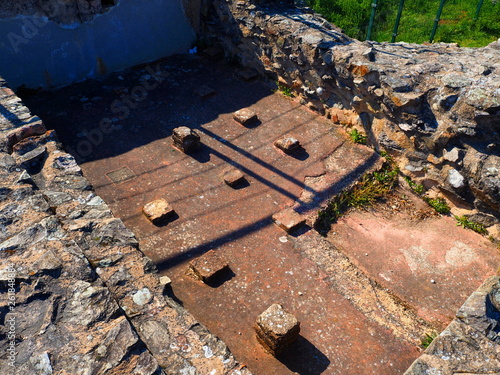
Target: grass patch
(365,192)
(285,90)
(357,137)
(416,188)
(464,222)
(428,339)
(439,204)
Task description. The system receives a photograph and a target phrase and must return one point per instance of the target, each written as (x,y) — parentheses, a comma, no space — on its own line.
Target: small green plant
(417,188)
(388,158)
(370,188)
(464,222)
(285,90)
(439,204)
(357,137)
(428,339)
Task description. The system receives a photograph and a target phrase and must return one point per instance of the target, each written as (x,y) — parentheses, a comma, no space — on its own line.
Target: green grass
(456,25)
(357,137)
(417,188)
(464,222)
(439,204)
(428,339)
(285,90)
(370,188)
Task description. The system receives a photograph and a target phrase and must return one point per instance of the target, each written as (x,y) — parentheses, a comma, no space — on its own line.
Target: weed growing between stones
(428,339)
(464,222)
(439,204)
(374,187)
(365,192)
(285,90)
(417,188)
(357,137)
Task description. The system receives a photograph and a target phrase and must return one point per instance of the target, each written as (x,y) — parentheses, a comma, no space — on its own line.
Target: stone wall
(64,13)
(435,107)
(53,43)
(77,295)
(471,342)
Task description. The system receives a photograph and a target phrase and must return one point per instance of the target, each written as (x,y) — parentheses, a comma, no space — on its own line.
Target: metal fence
(375,4)
(472,23)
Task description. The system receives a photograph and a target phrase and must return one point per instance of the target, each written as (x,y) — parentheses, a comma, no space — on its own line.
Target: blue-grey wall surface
(39,53)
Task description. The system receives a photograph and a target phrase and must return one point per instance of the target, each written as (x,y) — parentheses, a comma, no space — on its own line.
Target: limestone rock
(454,155)
(158,211)
(79,274)
(276,329)
(232,177)
(209,266)
(142,296)
(455,179)
(429,97)
(288,219)
(245,116)
(89,304)
(288,144)
(487,181)
(185,139)
(470,344)
(494,296)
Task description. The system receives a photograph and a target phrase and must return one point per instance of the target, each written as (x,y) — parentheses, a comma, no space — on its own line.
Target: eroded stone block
(33,157)
(245,116)
(288,219)
(213,53)
(158,211)
(276,329)
(208,266)
(185,139)
(120,175)
(232,177)
(248,75)
(288,144)
(205,91)
(8,140)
